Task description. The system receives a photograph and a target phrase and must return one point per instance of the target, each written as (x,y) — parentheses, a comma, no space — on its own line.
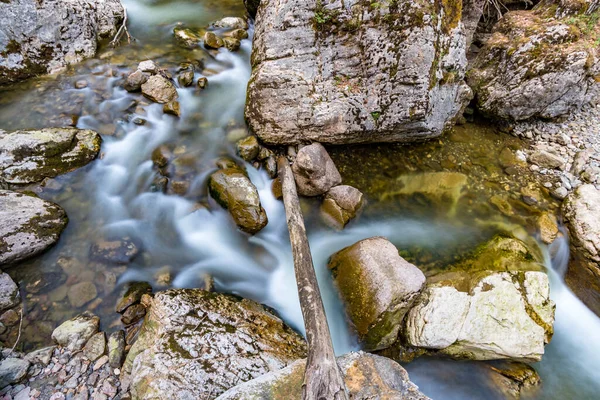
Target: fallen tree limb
(322,379)
(122,29)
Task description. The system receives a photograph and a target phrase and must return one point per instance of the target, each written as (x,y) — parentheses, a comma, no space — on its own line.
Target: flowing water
(184,237)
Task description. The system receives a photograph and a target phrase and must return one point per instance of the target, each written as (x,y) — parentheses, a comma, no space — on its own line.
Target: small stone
(82,293)
(148,66)
(180,187)
(12,370)
(546,159)
(75,332)
(133,314)
(10,318)
(116,349)
(314,171)
(81,84)
(212,41)
(560,193)
(41,356)
(548,226)
(232,44)
(172,108)
(101,362)
(202,82)
(133,295)
(159,89)
(23,394)
(161,156)
(231,23)
(135,80)
(9,292)
(114,251)
(186,78)
(248,148)
(239,34)
(340,205)
(94,348)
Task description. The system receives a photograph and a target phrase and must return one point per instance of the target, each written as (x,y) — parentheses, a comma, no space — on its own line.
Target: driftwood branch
(122,30)
(322,379)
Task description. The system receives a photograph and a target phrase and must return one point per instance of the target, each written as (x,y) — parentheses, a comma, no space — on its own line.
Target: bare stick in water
(322,379)
(123,29)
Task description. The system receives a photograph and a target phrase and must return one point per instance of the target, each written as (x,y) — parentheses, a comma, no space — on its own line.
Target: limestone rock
(314,171)
(393,72)
(231,43)
(248,148)
(29,225)
(75,332)
(548,227)
(537,63)
(367,377)
(95,347)
(44,37)
(581,210)
(116,349)
(212,41)
(378,287)
(210,342)
(148,66)
(9,291)
(28,156)
(545,159)
(172,108)
(159,89)
(135,80)
(41,356)
(233,190)
(12,370)
(341,204)
(231,23)
(487,316)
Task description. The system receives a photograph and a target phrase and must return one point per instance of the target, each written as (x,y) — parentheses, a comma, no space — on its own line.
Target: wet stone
(341,204)
(133,314)
(172,108)
(81,84)
(116,349)
(10,318)
(314,171)
(9,292)
(231,23)
(186,78)
(75,332)
(202,83)
(212,41)
(248,148)
(135,80)
(114,251)
(159,89)
(231,44)
(95,347)
(148,66)
(82,293)
(133,295)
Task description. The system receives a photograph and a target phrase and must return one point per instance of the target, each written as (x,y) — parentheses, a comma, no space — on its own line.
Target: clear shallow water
(113,196)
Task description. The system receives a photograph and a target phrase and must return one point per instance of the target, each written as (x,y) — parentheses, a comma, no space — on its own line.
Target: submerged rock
(341,204)
(538,63)
(28,156)
(484,316)
(233,190)
(378,287)
(197,344)
(364,73)
(75,332)
(366,376)
(114,251)
(159,89)
(314,171)
(29,225)
(39,37)
(581,210)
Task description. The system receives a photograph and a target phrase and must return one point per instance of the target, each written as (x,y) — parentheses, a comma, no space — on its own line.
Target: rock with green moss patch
(367,377)
(364,71)
(483,316)
(39,37)
(29,156)
(196,344)
(28,225)
(539,63)
(378,287)
(234,191)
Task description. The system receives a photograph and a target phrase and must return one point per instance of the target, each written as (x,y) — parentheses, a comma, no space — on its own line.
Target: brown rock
(172,108)
(548,227)
(159,89)
(341,204)
(82,293)
(202,83)
(186,78)
(133,314)
(135,80)
(231,44)
(212,41)
(248,148)
(314,171)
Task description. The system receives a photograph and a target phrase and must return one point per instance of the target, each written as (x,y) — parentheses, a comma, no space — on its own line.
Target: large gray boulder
(486,316)
(367,377)
(29,156)
(378,287)
(28,225)
(581,210)
(196,344)
(540,63)
(38,37)
(352,71)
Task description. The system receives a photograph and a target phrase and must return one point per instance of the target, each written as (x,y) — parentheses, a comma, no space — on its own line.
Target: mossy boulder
(377,286)
(366,376)
(44,37)
(364,71)
(196,344)
(29,225)
(29,156)
(539,63)
(581,210)
(483,316)
(233,190)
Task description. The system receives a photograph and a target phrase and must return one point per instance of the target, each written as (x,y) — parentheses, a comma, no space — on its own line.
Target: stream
(185,237)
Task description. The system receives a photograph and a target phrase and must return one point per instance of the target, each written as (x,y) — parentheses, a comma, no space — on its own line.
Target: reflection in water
(181,235)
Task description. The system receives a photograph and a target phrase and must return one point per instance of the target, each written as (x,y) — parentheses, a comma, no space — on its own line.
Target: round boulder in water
(28,225)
